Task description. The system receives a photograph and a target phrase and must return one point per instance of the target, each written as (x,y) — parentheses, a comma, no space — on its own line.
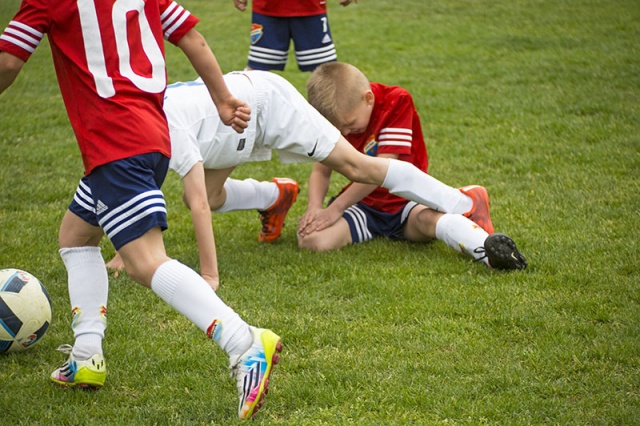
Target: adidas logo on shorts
(101,207)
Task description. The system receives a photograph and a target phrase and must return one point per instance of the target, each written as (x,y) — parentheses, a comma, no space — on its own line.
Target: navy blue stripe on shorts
(124,198)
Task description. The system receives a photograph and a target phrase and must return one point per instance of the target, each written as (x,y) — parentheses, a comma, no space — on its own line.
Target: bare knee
(314,242)
(421,224)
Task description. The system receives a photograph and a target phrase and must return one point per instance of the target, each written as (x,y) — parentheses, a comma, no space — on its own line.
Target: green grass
(537,100)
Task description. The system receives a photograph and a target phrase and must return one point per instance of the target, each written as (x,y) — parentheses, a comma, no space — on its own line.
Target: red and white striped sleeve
(25,32)
(176,20)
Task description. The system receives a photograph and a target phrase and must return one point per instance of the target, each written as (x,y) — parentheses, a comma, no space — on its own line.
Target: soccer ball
(25,310)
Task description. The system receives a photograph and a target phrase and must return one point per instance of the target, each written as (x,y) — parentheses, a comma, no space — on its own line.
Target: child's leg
(455,230)
(186,291)
(214,180)
(87,281)
(248,194)
(462,234)
(227,195)
(399,177)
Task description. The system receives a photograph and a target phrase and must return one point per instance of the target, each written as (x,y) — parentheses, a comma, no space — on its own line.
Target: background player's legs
(312,40)
(270,39)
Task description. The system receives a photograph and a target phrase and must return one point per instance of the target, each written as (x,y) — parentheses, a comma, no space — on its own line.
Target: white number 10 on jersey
(95,50)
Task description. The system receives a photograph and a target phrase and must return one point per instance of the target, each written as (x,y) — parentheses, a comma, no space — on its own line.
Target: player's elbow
(10,66)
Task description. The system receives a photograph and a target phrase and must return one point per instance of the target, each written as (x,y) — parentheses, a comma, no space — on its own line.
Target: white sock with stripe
(188,293)
(88,284)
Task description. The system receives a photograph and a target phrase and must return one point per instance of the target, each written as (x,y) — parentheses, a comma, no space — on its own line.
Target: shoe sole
(503,253)
(83,386)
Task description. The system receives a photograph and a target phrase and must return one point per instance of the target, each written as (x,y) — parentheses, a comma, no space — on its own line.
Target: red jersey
(394,128)
(289,8)
(109,60)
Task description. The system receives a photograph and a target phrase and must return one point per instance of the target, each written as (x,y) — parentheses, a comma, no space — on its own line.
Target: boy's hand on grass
(116,264)
(214,282)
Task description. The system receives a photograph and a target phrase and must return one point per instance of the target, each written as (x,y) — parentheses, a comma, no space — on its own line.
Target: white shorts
(281,120)
(287,123)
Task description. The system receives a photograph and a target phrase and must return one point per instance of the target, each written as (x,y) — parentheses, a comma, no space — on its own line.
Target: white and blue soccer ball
(25,310)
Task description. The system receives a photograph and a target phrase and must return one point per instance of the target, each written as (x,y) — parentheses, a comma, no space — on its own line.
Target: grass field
(538,100)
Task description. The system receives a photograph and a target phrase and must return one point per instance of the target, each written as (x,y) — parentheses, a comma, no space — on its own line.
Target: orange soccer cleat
(272,219)
(479,212)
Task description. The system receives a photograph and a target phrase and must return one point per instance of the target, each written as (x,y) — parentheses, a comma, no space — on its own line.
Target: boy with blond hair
(382,122)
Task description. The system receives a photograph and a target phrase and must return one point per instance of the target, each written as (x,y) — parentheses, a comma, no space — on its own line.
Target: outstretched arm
(316,218)
(10,67)
(318,187)
(233,112)
(195,197)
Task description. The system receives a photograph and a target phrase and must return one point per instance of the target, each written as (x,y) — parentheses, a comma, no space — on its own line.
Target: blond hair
(335,88)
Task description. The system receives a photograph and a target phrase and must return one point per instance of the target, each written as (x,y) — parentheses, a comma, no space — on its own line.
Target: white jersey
(281,120)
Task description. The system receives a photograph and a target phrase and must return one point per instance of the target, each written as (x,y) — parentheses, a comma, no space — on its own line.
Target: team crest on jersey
(256,33)
(371,147)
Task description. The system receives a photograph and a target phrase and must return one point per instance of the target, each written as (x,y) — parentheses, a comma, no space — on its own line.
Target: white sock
(188,293)
(407,181)
(248,194)
(88,284)
(461,234)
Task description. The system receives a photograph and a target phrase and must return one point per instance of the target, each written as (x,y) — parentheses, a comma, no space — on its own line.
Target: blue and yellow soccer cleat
(85,374)
(253,369)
